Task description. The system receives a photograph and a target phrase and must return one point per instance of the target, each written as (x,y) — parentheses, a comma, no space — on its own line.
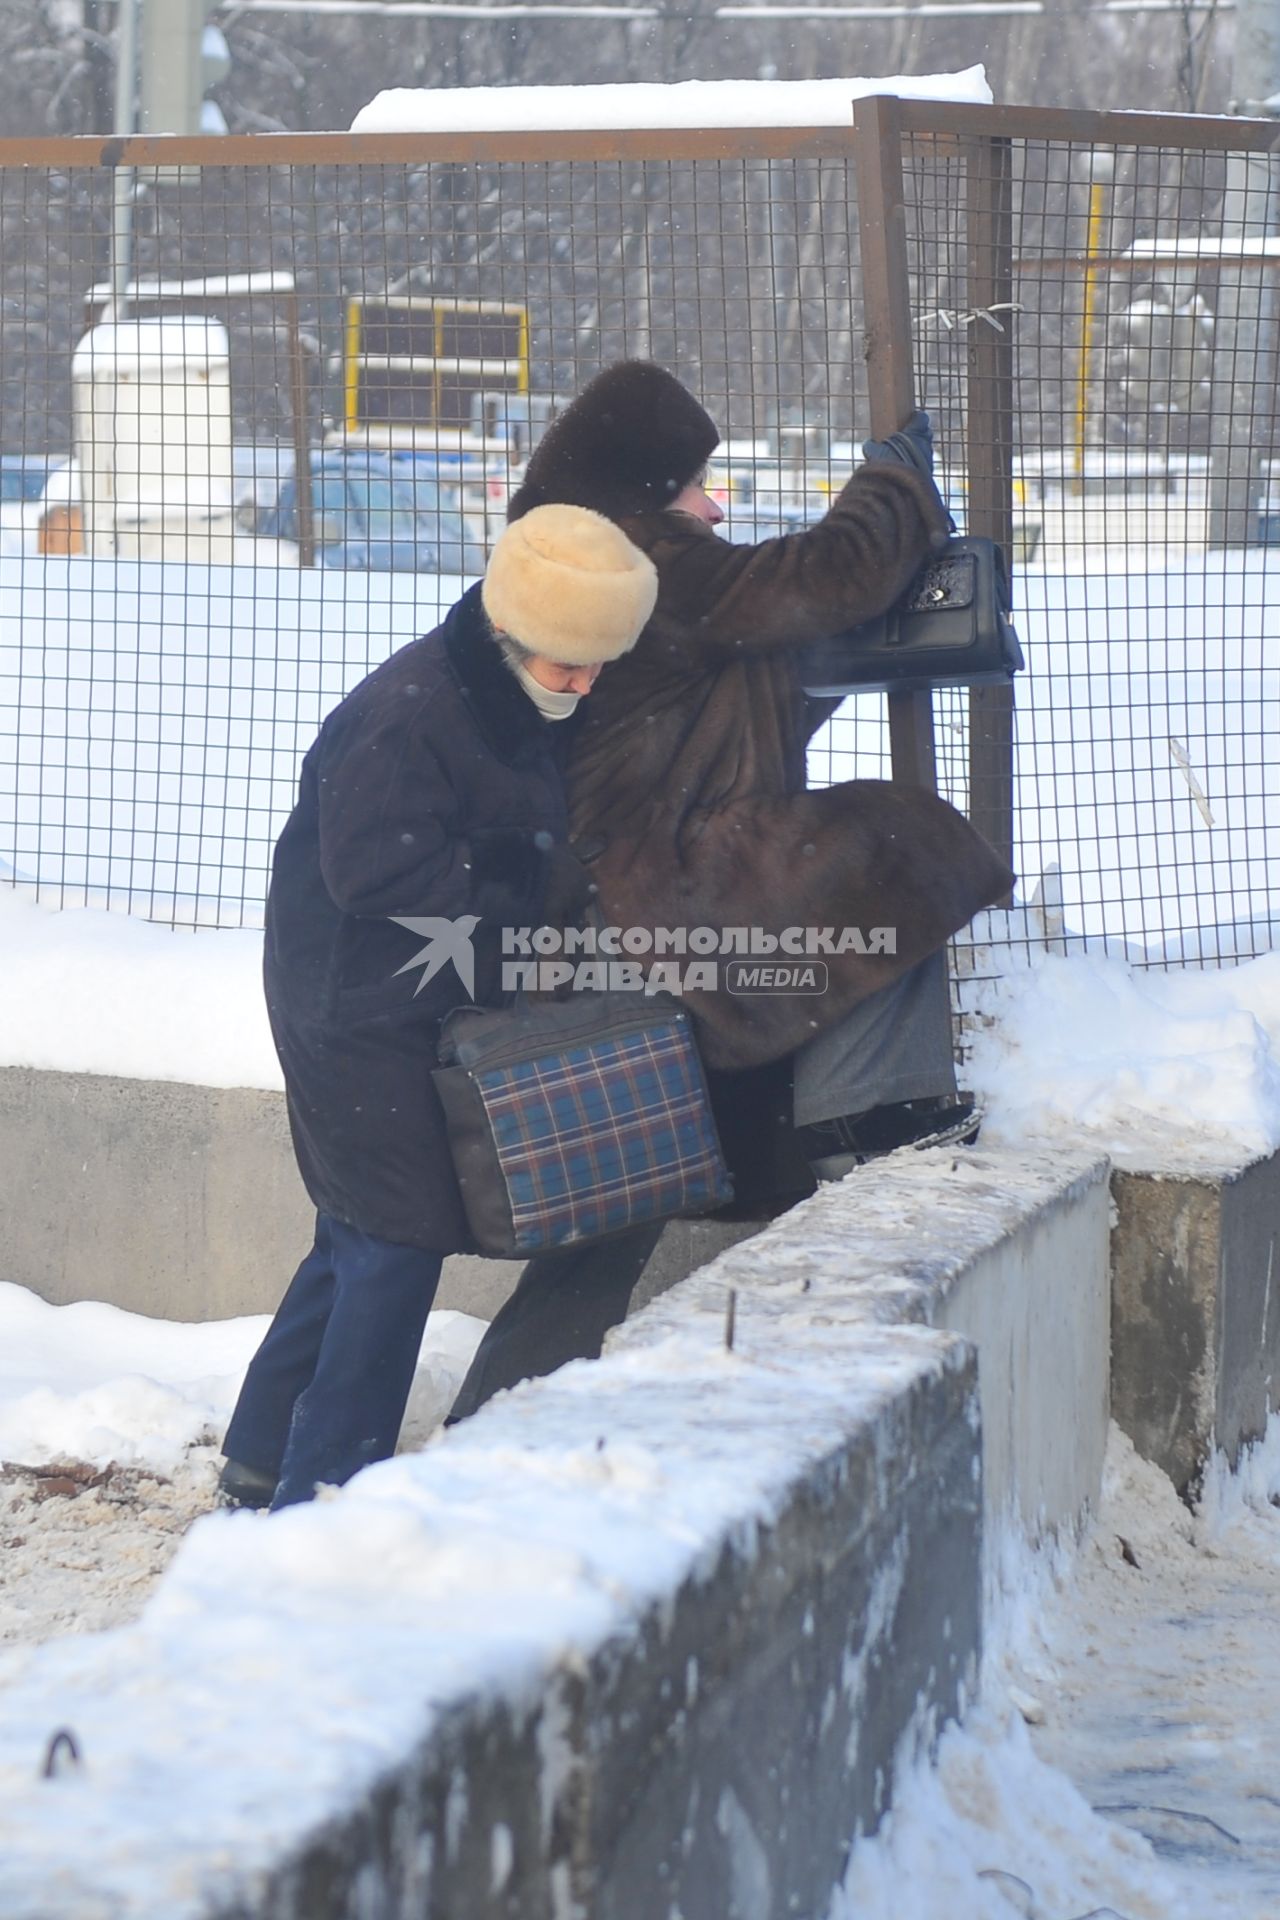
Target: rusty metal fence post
(882,216)
(882,227)
(989,456)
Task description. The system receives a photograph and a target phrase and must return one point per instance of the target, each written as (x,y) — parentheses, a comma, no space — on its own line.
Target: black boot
(835,1147)
(241,1486)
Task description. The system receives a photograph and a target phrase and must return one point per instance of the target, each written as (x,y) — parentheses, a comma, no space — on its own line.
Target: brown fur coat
(690,764)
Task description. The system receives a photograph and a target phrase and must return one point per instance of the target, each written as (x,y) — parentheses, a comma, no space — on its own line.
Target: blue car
(23,475)
(374,512)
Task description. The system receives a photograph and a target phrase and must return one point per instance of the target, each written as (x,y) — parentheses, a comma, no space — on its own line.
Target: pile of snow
(89,1382)
(686,103)
(989,1832)
(1158,1068)
(91,991)
(93,1383)
(110,1444)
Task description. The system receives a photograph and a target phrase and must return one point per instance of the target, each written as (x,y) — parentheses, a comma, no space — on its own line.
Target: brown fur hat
(632,440)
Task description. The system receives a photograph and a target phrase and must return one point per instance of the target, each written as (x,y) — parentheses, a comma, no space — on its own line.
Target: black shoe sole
(961,1133)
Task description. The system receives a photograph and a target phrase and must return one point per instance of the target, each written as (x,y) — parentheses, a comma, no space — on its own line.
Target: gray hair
(514,654)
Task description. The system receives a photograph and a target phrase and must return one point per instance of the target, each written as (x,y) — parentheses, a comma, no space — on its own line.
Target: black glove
(569,888)
(911,446)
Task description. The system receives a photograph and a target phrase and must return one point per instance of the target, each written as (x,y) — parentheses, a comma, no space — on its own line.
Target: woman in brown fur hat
(689,770)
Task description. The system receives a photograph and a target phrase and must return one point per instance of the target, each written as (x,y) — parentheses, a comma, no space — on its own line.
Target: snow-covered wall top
(688,103)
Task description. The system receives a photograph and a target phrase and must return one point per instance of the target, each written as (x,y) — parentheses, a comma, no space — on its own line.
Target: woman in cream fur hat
(435,791)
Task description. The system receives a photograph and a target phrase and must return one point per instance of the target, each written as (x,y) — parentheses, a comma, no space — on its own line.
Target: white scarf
(550,704)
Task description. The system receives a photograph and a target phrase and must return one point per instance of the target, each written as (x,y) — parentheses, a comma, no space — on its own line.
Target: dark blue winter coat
(421,798)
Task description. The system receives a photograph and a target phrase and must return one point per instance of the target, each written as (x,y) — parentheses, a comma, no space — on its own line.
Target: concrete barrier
(714,1733)
(712,1758)
(1196,1310)
(184,1202)
(176,1201)
(684,1705)
(1008,1248)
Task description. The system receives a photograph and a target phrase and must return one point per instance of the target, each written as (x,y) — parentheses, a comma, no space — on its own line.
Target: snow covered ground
(110,1426)
(1124,1763)
(1176,1070)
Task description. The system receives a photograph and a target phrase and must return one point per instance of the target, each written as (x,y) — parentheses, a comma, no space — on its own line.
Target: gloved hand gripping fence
(911,446)
(953,625)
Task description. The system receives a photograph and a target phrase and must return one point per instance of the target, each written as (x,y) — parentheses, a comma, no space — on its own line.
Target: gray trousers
(897,1045)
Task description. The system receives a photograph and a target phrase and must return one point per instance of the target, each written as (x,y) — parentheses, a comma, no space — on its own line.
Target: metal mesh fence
(278,445)
(259,422)
(1140,339)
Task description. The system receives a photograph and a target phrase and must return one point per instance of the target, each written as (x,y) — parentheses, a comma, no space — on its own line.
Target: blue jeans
(326,1391)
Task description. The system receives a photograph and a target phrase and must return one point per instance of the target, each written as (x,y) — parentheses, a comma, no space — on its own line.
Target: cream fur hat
(568,585)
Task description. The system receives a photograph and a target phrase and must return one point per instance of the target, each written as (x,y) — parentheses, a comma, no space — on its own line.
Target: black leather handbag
(953,627)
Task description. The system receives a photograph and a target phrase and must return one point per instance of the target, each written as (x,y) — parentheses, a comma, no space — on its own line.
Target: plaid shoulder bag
(572,1119)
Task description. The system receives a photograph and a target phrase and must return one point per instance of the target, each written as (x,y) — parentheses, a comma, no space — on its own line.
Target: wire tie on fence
(1183,759)
(63,1741)
(950,318)
(730,1319)
(997,306)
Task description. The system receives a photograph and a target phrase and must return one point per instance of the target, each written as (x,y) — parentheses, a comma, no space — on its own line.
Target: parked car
(23,478)
(376,511)
(1267,520)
